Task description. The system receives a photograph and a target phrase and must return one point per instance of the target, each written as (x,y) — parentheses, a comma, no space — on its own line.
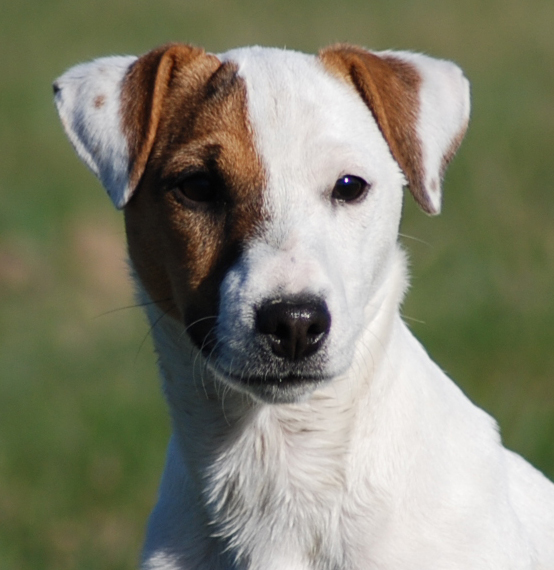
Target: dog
(262,193)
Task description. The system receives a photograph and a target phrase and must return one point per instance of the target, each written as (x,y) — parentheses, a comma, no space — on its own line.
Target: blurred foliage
(82,421)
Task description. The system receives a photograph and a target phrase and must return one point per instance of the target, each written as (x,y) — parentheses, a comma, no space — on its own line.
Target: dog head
(262,190)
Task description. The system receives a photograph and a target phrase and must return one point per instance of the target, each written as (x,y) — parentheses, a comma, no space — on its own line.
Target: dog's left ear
(88,99)
(421,105)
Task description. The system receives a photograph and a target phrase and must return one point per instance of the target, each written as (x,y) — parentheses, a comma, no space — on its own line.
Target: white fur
(385,465)
(95,129)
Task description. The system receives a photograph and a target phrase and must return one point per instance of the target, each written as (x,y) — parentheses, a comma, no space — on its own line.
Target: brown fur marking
(186,114)
(390,88)
(99,101)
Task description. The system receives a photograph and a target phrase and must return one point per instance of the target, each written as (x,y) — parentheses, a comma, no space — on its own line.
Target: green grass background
(82,421)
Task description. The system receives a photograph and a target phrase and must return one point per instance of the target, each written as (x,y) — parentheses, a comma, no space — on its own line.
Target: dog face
(262,191)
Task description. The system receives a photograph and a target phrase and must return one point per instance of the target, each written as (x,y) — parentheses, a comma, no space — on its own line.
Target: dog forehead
(304,118)
(280,82)
(276,76)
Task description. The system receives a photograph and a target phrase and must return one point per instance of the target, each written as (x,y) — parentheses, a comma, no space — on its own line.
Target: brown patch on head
(99,101)
(143,95)
(186,119)
(390,88)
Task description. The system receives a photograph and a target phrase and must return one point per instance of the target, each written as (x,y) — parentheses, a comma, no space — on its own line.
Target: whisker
(185,330)
(149,332)
(406,236)
(202,383)
(198,353)
(205,367)
(136,306)
(226,389)
(413,319)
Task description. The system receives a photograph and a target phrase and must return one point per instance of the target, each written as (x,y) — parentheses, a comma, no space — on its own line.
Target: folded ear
(110,109)
(421,105)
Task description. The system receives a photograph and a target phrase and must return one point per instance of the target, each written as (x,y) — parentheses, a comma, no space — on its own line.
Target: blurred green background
(82,421)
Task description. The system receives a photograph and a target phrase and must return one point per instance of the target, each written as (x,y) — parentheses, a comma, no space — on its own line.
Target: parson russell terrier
(262,194)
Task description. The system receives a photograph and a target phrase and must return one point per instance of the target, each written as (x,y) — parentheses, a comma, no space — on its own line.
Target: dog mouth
(281,381)
(286,387)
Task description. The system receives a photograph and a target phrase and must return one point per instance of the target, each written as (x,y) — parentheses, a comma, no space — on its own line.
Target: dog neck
(249,461)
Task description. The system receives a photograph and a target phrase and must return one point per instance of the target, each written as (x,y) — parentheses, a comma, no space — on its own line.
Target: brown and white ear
(421,105)
(110,109)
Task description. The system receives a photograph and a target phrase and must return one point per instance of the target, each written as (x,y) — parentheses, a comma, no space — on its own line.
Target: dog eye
(349,188)
(198,188)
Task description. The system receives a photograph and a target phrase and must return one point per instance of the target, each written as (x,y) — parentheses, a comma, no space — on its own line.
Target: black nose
(294,329)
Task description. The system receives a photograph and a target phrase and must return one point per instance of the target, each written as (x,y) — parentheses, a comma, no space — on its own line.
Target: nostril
(294,329)
(282,330)
(314,330)
(321,322)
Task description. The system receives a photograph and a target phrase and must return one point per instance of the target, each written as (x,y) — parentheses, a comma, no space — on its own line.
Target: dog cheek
(356,265)
(193,265)
(170,252)
(147,251)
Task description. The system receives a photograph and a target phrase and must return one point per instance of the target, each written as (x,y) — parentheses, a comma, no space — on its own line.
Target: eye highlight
(349,188)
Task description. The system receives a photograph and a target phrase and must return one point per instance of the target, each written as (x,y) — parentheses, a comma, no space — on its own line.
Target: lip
(271,389)
(275,381)
(257,381)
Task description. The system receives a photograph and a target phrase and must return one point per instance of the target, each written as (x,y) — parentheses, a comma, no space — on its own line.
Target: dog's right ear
(110,109)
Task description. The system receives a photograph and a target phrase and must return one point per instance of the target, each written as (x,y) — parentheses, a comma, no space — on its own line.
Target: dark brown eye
(349,188)
(198,188)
